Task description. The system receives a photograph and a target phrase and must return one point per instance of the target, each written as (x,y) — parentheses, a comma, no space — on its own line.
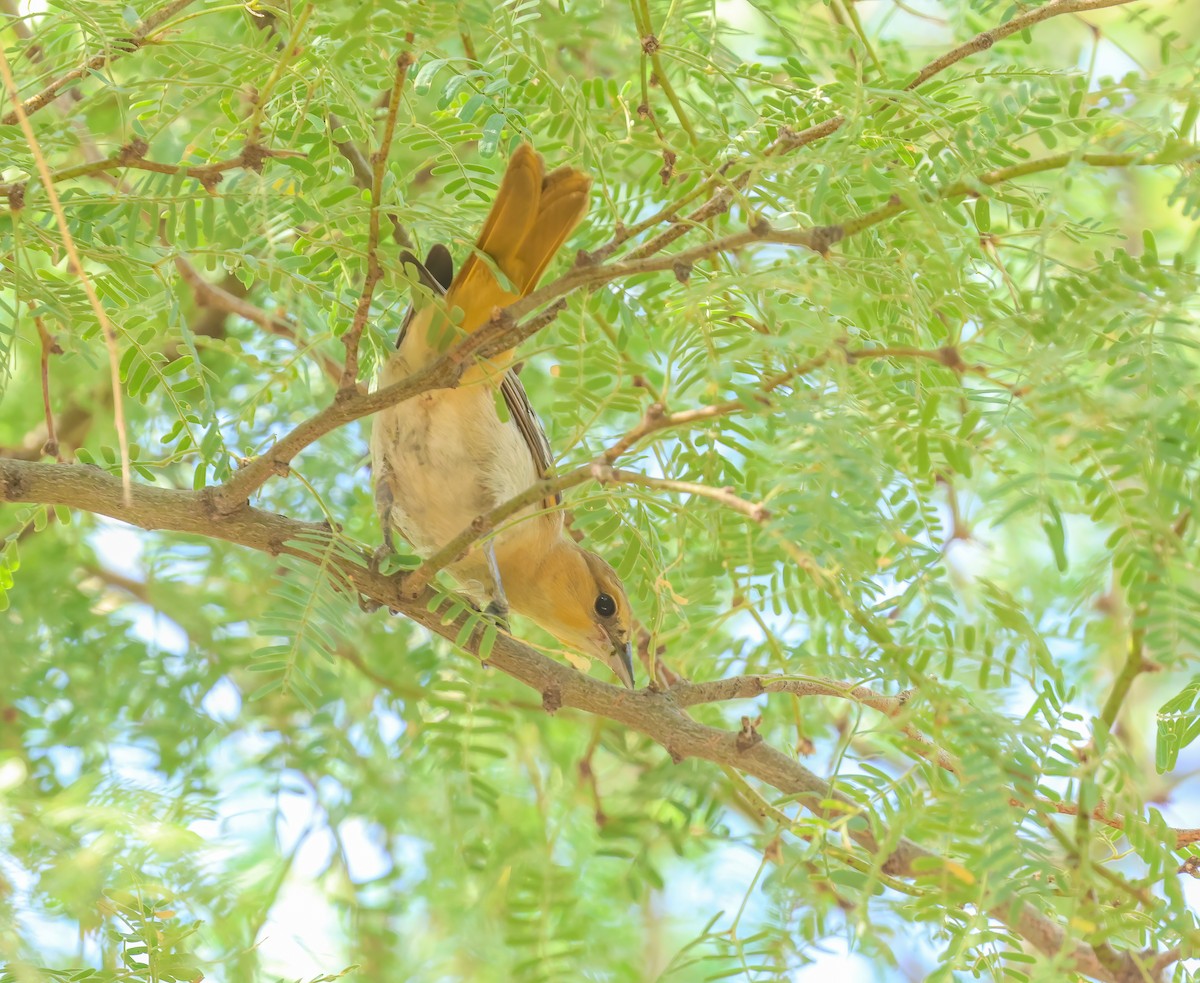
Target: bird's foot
(497,611)
(378,555)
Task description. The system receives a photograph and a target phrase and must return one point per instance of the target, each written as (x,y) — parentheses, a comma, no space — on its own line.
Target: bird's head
(578,598)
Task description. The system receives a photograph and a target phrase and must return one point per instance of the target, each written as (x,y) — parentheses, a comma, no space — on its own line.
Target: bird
(447,456)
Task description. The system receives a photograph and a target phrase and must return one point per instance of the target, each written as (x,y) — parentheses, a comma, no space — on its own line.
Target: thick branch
(656,714)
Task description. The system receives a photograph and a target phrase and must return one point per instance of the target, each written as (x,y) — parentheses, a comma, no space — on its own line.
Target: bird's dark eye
(606,607)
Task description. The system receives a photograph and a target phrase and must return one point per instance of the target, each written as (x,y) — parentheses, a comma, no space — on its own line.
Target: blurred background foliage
(211,765)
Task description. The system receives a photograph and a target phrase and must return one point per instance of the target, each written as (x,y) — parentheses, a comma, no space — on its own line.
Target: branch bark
(660,715)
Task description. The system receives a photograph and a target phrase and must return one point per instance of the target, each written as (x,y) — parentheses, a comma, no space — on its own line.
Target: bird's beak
(622,662)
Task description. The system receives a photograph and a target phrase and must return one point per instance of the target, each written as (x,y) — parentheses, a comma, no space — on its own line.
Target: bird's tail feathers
(530,219)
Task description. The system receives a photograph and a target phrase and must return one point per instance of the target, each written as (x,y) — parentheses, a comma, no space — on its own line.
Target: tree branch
(132,157)
(651,46)
(363,176)
(1022,22)
(505,330)
(600,471)
(76,264)
(654,420)
(374,271)
(1180,837)
(49,347)
(351,405)
(287,53)
(723,192)
(658,715)
(209,294)
(122,47)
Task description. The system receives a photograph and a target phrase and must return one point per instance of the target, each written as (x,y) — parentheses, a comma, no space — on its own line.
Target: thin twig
(644,109)
(846,14)
(49,347)
(669,213)
(468,43)
(747,687)
(1022,22)
(725,496)
(765,809)
(262,97)
(1180,836)
(723,191)
(483,525)
(913,12)
(656,418)
(687,694)
(364,177)
(110,333)
(352,337)
(587,772)
(1135,664)
(212,295)
(122,47)
(131,157)
(417,580)
(16,22)
(651,45)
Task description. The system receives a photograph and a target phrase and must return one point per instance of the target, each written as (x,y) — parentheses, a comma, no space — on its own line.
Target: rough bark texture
(661,716)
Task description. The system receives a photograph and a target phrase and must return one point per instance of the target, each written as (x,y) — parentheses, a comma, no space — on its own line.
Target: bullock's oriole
(448,456)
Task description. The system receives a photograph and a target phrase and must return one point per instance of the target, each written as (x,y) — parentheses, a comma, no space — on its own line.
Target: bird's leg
(381,552)
(383,505)
(498,606)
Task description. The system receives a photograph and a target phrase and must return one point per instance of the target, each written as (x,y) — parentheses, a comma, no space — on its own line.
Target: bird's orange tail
(532,216)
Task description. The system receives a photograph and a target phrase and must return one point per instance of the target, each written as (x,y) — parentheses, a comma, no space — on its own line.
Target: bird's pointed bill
(623,664)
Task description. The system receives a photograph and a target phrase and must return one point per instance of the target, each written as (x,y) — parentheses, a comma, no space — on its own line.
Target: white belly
(444,458)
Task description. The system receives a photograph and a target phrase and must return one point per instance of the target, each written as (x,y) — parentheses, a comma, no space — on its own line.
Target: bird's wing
(527,422)
(436,274)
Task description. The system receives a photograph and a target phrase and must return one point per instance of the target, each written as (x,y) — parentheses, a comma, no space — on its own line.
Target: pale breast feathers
(447,456)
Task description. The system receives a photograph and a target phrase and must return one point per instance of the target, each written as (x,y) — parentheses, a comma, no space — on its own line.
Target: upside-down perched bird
(448,456)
